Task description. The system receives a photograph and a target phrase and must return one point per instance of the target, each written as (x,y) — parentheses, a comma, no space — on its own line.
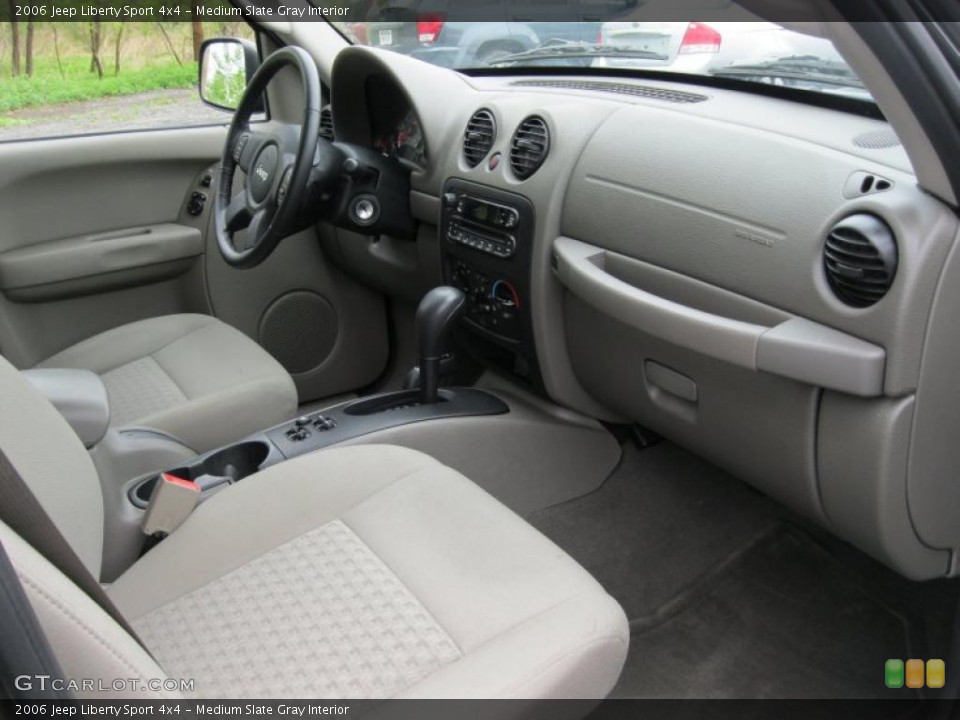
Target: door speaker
(300,330)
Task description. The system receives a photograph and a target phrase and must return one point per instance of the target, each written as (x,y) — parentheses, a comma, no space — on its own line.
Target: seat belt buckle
(171,502)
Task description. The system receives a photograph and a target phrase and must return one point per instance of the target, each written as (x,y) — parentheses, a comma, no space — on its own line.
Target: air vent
(879,140)
(645,91)
(860,259)
(529,147)
(479,136)
(326,123)
(863,183)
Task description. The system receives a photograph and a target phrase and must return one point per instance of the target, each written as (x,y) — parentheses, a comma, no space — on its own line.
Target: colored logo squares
(914,673)
(936,673)
(893,673)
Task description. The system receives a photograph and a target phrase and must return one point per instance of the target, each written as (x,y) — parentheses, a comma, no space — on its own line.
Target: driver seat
(190,376)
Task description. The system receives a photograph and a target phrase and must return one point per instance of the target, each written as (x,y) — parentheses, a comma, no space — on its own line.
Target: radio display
(478,212)
(487,214)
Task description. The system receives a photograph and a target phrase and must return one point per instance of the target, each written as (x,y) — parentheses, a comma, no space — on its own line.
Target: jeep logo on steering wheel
(261,173)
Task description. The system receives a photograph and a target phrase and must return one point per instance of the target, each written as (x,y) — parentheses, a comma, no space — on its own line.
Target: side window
(74,78)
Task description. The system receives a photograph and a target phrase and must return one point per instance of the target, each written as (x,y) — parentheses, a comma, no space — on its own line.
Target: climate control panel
(493,303)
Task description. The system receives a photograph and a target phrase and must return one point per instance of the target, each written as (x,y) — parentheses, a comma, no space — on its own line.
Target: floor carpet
(727,596)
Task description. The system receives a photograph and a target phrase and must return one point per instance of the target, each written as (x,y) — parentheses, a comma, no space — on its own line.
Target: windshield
(750,51)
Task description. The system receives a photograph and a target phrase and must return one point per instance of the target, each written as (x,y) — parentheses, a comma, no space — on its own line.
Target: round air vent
(326,123)
(529,147)
(860,259)
(479,136)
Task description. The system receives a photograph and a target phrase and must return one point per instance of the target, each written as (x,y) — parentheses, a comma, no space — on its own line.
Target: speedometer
(408,141)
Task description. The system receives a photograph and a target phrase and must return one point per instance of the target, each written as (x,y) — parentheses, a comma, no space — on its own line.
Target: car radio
(483,225)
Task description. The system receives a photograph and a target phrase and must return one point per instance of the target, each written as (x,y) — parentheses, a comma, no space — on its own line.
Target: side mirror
(226,66)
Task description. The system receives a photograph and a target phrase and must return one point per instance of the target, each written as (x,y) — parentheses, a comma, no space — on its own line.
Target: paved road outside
(156,109)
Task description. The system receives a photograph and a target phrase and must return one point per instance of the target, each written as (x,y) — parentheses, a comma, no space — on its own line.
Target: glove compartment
(666,359)
(791,406)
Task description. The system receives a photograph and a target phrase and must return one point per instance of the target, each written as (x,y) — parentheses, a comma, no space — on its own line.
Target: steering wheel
(277,159)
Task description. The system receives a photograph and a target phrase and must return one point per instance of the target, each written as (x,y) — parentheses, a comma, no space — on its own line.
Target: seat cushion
(191,376)
(370,572)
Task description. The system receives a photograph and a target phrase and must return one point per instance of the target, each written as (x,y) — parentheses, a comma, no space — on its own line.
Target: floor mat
(785,621)
(661,522)
(727,596)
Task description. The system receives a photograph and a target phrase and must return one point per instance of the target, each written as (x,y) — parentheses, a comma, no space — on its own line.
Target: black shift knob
(436,315)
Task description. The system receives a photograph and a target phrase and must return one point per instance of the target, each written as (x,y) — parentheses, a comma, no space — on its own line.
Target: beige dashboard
(677,278)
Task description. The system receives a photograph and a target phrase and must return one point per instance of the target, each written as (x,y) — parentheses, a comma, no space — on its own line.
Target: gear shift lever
(436,315)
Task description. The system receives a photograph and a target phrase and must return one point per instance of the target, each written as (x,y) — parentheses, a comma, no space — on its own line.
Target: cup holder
(237,462)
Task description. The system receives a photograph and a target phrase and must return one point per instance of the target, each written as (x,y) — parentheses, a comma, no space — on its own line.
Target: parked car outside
(702,47)
(422,29)
(453,44)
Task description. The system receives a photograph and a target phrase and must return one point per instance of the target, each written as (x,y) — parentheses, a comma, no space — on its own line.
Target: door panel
(62,188)
(96,234)
(100,261)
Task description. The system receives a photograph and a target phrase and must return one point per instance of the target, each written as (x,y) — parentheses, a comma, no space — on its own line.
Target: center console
(321,429)
(487,241)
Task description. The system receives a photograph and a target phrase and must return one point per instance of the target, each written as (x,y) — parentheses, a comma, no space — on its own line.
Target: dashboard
(759,280)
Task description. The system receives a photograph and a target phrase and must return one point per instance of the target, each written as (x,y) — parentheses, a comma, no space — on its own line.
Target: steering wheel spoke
(257,224)
(246,148)
(238,214)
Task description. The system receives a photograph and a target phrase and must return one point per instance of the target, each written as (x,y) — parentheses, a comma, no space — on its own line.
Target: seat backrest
(53,463)
(92,650)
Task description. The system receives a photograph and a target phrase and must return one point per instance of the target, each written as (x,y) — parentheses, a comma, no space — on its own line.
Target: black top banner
(467,10)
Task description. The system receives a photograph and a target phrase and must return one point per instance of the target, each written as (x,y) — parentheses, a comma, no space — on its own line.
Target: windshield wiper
(805,67)
(560,51)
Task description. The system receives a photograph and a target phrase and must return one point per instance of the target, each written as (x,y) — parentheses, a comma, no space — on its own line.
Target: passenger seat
(191,376)
(356,572)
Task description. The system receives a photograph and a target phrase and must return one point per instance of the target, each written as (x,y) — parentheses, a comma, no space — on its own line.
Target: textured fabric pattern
(139,389)
(318,617)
